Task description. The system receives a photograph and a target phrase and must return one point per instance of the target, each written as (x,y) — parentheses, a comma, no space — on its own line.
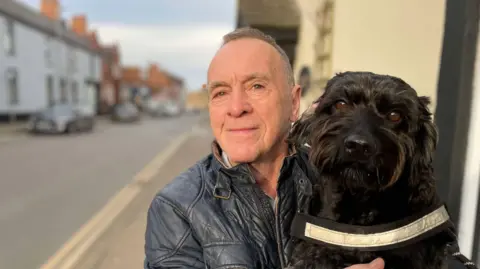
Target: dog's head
(369,131)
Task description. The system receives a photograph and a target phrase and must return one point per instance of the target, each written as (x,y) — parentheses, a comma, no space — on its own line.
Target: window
(50,90)
(75,93)
(9,38)
(12,86)
(63,91)
(48,52)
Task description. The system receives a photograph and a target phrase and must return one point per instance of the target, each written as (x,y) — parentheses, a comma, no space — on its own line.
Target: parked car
(62,118)
(125,112)
(171,109)
(154,108)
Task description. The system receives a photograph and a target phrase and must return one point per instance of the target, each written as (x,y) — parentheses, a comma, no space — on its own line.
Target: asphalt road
(51,185)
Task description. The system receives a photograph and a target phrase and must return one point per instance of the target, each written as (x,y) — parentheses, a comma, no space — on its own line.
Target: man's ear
(296,96)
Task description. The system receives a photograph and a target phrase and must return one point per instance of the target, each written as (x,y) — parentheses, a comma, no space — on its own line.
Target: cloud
(185,50)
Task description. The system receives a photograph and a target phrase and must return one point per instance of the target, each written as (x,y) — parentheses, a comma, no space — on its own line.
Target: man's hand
(378,263)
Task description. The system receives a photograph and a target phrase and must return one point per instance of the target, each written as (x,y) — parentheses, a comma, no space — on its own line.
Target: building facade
(111,79)
(397,37)
(279,19)
(42,60)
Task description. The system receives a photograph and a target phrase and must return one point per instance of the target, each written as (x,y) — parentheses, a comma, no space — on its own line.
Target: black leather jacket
(214,217)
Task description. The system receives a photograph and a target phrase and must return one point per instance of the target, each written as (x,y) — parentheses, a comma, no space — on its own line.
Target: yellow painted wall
(397,37)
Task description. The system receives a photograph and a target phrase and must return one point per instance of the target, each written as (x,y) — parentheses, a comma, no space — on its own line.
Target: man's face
(251,104)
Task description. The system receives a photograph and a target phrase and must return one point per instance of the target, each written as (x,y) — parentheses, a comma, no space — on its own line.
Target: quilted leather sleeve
(169,242)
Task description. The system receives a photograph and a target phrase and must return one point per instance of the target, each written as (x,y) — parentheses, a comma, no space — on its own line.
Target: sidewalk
(12,128)
(12,131)
(122,246)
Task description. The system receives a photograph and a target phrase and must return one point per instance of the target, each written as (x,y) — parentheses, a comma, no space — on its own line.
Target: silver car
(125,112)
(62,118)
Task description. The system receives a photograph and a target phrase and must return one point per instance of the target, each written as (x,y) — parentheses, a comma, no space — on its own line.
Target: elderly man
(233,209)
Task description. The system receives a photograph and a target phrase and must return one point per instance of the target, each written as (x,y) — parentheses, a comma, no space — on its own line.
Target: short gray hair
(248,32)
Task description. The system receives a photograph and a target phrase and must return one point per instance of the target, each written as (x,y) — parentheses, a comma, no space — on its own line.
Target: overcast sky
(180,35)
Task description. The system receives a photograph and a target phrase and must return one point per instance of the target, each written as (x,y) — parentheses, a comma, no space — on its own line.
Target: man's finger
(378,263)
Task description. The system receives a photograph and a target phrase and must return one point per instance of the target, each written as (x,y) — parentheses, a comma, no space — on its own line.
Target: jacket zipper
(277,230)
(266,209)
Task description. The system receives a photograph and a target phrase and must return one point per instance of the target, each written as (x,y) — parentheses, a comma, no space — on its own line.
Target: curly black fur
(372,139)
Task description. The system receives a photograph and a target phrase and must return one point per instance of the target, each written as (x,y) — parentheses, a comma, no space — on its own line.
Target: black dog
(371,139)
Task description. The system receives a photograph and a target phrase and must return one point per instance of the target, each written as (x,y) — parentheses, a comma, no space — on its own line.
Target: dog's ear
(426,139)
(427,133)
(301,129)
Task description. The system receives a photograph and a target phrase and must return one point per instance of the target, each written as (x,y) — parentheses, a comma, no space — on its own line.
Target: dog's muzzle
(358,147)
(388,236)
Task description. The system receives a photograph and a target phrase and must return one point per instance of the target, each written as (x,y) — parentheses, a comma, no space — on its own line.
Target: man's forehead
(243,59)
(229,79)
(240,70)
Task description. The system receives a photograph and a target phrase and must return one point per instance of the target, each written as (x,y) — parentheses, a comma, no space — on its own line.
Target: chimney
(50,9)
(79,24)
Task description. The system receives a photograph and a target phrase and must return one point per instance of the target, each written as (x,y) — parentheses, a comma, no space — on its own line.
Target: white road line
(75,248)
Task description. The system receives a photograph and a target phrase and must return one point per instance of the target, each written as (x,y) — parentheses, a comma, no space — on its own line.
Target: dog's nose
(358,146)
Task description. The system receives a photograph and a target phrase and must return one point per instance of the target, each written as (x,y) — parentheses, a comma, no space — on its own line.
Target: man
(234,208)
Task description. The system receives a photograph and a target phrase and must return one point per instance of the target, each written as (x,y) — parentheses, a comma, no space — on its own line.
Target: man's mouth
(242,131)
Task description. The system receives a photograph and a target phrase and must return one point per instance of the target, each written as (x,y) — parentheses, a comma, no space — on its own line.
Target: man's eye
(258,86)
(219,94)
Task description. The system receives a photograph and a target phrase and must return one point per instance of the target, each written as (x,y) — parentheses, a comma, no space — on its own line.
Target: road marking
(77,246)
(152,168)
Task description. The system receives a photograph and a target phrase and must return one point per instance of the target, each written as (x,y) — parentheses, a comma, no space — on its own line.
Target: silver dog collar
(372,238)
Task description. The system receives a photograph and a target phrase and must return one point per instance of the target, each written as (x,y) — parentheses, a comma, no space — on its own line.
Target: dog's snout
(358,146)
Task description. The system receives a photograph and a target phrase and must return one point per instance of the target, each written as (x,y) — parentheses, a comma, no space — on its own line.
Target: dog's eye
(340,105)
(394,116)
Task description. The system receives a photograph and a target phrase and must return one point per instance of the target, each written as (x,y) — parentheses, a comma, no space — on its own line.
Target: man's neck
(267,170)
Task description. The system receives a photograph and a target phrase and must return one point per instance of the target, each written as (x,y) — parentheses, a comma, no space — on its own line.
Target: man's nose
(359,147)
(239,104)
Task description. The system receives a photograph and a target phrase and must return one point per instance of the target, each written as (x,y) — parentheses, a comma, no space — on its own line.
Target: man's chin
(241,159)
(237,156)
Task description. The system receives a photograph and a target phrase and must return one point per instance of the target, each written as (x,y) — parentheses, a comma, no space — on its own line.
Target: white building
(42,61)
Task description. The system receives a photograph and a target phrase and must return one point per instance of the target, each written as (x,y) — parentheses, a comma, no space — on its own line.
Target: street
(52,185)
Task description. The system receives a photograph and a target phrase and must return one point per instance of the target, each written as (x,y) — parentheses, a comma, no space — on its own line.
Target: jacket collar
(239,172)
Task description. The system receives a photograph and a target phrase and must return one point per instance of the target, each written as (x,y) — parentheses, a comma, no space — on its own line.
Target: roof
(26,15)
(170,76)
(270,13)
(176,78)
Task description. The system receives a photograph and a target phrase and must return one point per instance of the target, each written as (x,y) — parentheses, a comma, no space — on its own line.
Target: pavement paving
(122,247)
(14,127)
(52,185)
(12,131)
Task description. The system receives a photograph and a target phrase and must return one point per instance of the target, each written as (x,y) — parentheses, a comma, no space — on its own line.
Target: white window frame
(8,39)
